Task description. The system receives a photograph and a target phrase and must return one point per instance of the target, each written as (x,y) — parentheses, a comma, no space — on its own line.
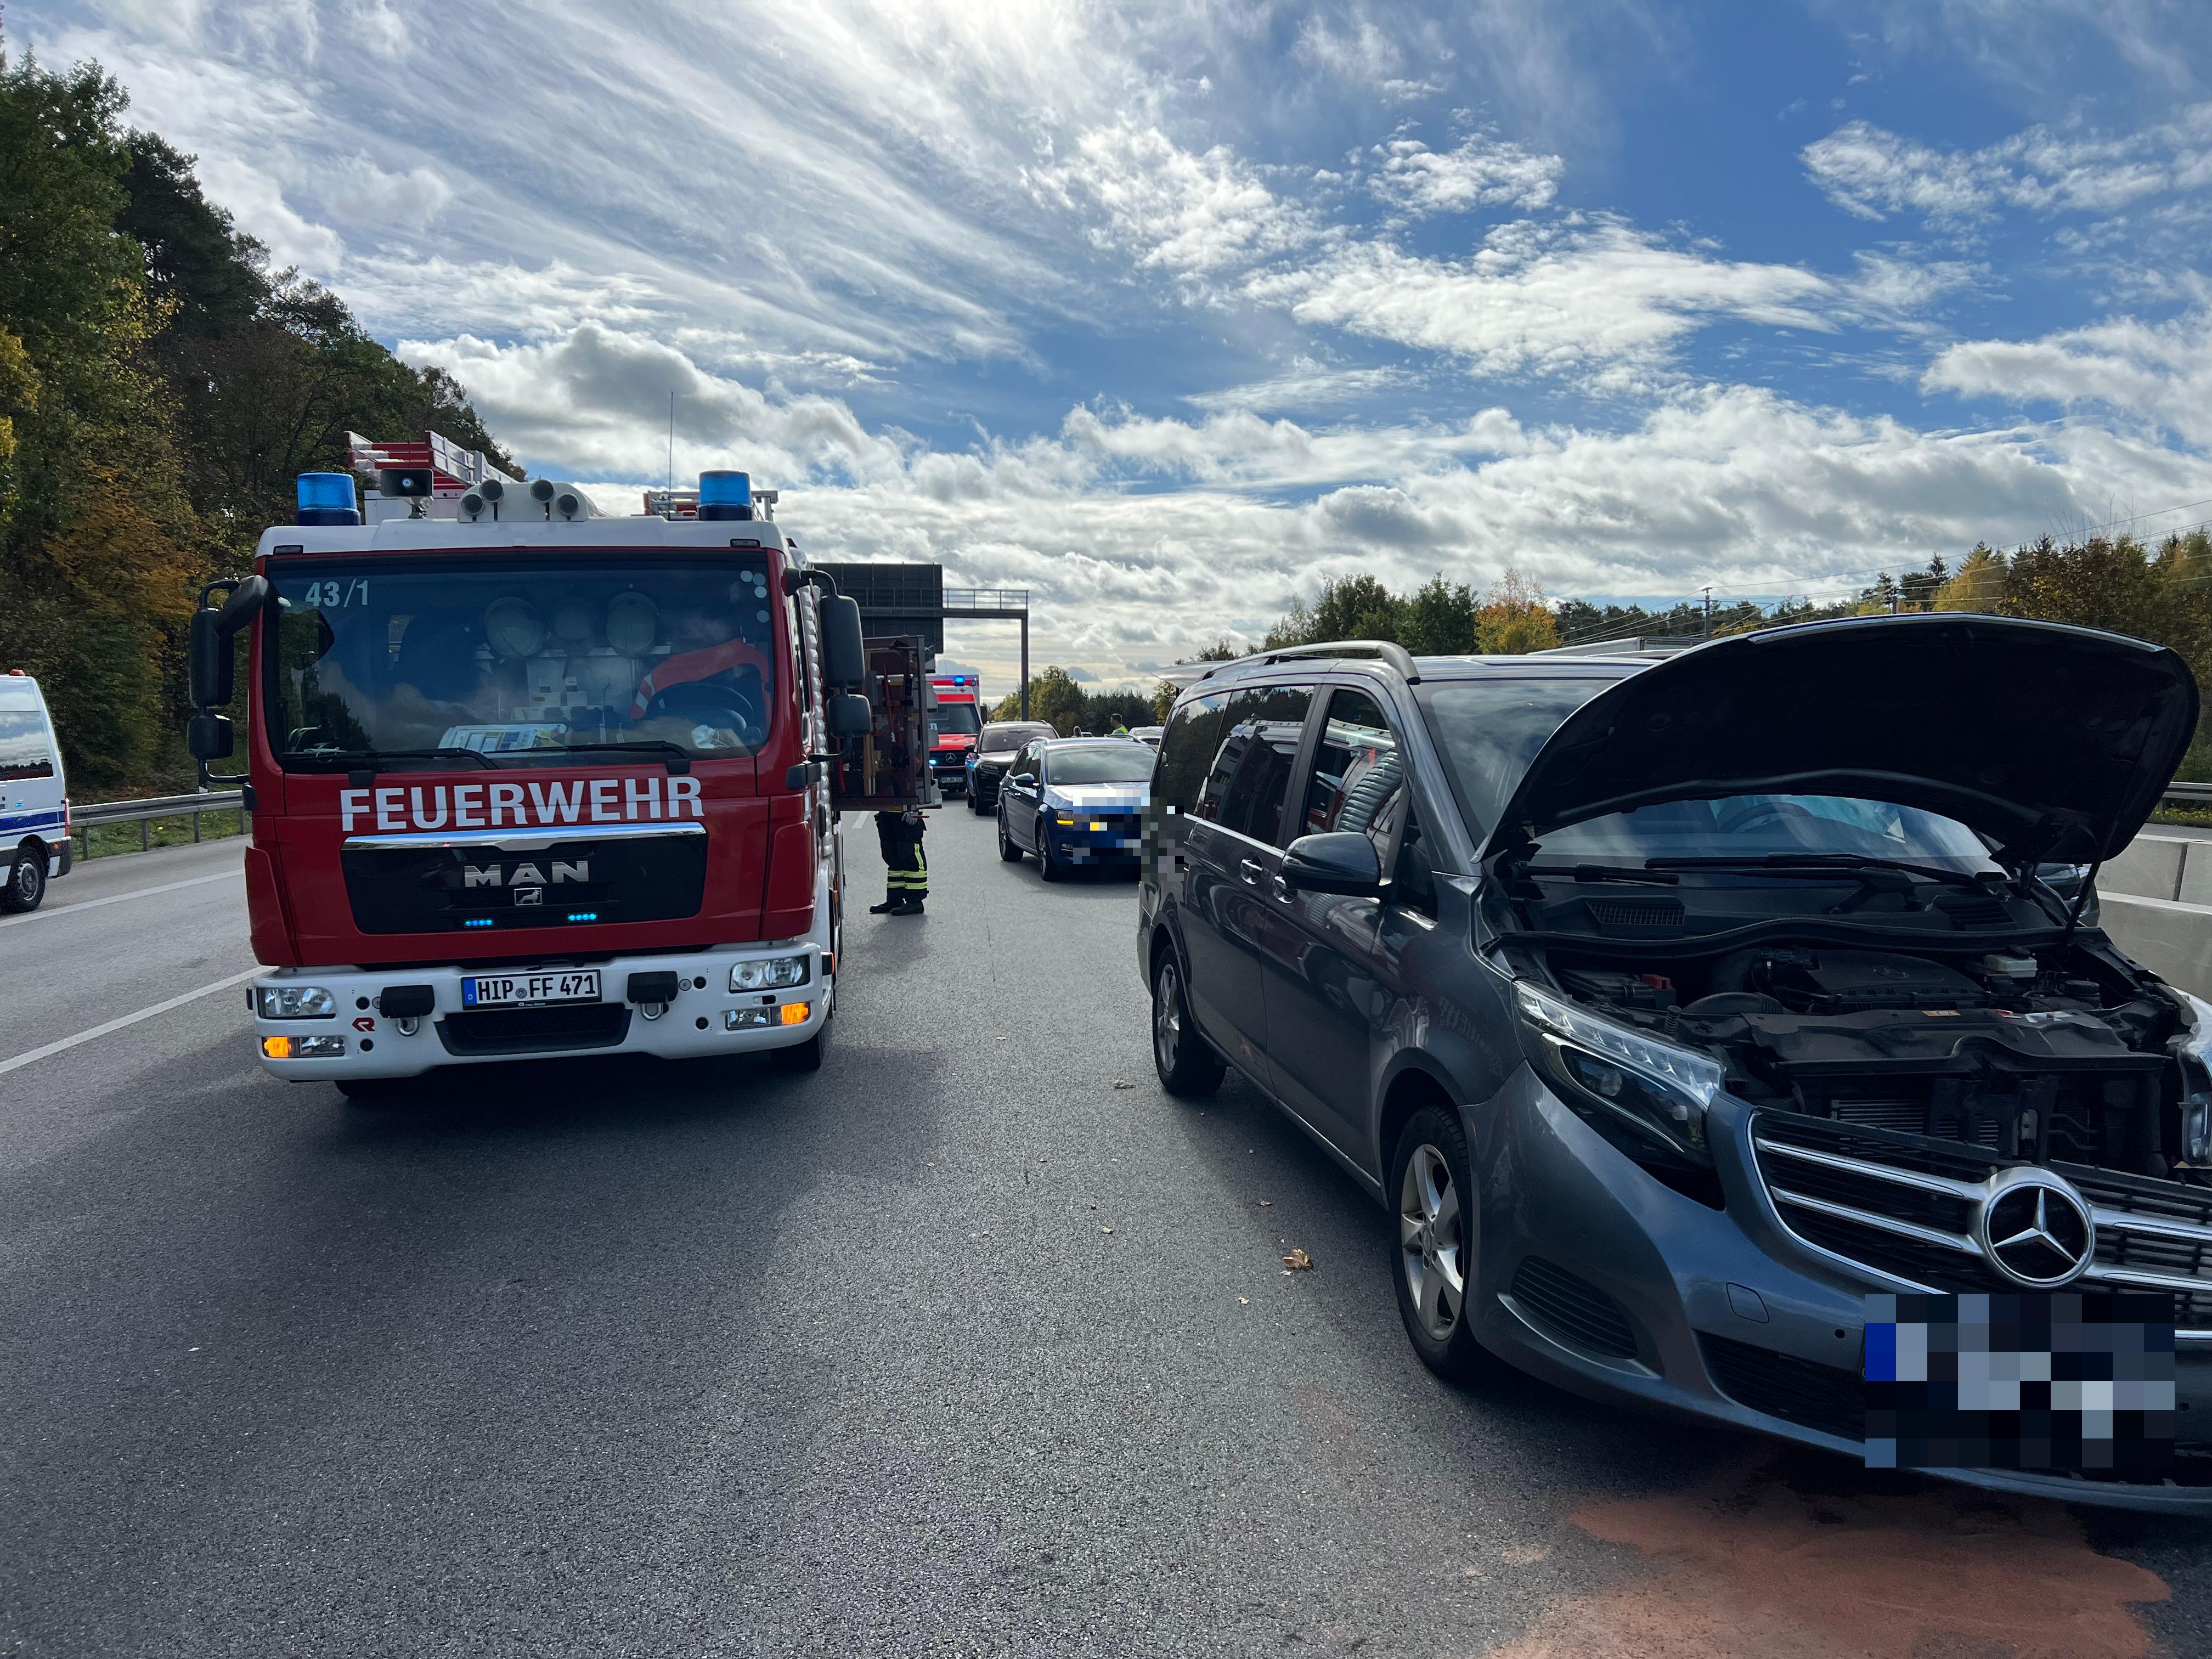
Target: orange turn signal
(794,1013)
(276,1047)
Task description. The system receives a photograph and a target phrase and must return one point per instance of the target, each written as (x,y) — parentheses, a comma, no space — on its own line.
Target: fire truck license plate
(529,990)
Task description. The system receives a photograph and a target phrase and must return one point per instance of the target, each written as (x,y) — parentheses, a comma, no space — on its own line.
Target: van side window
(25,750)
(1186,751)
(1357,767)
(1251,774)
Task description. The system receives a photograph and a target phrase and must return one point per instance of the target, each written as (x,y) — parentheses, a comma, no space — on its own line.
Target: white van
(34,843)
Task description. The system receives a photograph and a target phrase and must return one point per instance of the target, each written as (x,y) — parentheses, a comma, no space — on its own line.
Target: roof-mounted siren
(327,498)
(416,485)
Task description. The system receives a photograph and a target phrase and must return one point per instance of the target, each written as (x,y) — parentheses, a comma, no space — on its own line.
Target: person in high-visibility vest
(906,873)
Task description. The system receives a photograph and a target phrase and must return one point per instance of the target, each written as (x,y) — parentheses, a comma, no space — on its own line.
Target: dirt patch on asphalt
(1750,1564)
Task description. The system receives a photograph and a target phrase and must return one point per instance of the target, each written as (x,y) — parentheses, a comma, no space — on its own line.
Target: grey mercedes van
(1670,1006)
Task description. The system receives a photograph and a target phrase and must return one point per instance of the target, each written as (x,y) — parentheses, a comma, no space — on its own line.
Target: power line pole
(1709,613)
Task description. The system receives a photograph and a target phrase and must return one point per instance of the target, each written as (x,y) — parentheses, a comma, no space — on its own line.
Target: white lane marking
(118,898)
(7,1066)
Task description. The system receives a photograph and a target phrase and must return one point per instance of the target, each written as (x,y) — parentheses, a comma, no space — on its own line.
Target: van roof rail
(1396,656)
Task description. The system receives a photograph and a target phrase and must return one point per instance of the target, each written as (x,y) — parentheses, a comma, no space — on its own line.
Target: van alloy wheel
(1430,1237)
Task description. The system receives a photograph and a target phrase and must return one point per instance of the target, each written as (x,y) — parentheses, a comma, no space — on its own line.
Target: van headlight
(297,1002)
(1619,1074)
(2193,1048)
(768,974)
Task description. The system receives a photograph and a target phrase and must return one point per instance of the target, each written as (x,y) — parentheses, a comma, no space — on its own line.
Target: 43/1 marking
(337,595)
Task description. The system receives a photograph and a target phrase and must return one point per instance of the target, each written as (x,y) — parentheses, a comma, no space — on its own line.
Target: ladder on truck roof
(456,470)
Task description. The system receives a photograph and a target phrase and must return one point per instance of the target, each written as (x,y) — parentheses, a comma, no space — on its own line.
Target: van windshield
(953,720)
(392,657)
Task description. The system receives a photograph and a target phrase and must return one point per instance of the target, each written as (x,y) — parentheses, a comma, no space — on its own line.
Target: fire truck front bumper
(316,1023)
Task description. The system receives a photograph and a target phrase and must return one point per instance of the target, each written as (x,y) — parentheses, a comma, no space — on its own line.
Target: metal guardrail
(2188,794)
(83,819)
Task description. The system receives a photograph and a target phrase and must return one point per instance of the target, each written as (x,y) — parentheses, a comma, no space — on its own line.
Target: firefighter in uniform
(906,873)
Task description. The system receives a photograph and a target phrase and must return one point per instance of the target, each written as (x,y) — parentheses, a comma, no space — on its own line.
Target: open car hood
(2053,741)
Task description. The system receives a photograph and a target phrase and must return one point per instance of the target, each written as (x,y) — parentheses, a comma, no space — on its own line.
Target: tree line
(2162,593)
(161,387)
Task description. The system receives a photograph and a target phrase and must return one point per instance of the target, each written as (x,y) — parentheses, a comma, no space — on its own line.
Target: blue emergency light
(328,498)
(725,495)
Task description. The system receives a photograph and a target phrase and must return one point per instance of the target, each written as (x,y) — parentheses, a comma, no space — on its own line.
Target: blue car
(1075,803)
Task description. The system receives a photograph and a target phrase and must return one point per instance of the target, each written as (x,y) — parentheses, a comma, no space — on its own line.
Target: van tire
(1433,1135)
(1188,1067)
(25,887)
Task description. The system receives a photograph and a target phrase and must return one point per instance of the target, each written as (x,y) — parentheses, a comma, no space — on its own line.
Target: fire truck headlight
(297,1002)
(768,973)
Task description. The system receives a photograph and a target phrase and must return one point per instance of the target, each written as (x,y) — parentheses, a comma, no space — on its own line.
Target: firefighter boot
(889,907)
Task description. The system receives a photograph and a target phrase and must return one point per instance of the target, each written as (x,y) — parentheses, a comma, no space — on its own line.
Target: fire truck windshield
(394,657)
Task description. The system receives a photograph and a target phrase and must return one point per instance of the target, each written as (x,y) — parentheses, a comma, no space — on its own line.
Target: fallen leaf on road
(1105,1230)
(1266,1203)
(1241,1301)
(1298,1262)
(1120,1084)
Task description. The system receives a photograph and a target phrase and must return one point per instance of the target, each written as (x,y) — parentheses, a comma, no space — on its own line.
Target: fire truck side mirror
(208,737)
(850,716)
(210,665)
(844,654)
(207,650)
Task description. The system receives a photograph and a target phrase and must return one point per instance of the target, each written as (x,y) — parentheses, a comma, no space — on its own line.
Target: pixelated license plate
(2053,1380)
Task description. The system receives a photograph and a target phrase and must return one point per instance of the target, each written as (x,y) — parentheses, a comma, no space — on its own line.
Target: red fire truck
(955,721)
(527,780)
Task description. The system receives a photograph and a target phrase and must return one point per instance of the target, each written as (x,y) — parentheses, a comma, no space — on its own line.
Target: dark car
(994,751)
(1671,1009)
(1076,803)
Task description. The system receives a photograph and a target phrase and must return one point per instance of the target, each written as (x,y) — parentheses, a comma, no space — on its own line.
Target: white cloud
(1872,172)
(2157,372)
(1583,295)
(1484,171)
(1193,215)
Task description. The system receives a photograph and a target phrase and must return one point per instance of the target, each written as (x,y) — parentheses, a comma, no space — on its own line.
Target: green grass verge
(110,839)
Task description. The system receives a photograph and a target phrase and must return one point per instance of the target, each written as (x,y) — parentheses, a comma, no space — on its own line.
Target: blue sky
(1169,313)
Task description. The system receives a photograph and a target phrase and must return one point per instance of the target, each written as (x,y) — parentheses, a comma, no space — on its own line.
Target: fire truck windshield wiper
(680,757)
(376,757)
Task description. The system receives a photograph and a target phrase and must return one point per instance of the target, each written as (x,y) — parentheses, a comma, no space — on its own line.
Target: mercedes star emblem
(2035,1229)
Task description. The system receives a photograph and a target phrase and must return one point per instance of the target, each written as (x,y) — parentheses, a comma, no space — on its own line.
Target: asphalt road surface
(959,1346)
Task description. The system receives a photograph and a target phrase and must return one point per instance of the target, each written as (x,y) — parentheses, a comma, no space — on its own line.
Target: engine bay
(2055,1052)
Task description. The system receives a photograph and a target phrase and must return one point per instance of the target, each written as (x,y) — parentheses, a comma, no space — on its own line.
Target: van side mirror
(1342,861)
(208,736)
(849,716)
(844,653)
(209,668)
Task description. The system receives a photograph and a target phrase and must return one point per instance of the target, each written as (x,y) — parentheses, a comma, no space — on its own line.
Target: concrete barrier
(2173,940)
(2157,866)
